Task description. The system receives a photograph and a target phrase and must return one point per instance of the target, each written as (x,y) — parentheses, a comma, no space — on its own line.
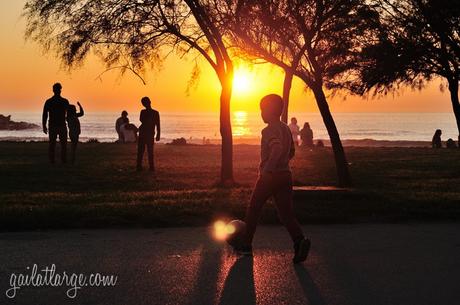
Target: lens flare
(230,229)
(219,224)
(220,230)
(241,81)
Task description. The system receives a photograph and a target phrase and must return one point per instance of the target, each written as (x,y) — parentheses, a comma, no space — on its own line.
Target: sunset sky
(26,76)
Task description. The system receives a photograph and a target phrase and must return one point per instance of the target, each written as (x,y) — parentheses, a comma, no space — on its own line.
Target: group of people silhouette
(127,132)
(57,111)
(277,149)
(436,142)
(305,135)
(149,131)
(61,119)
(278,146)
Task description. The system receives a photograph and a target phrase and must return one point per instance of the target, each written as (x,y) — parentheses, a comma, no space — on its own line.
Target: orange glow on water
(240,124)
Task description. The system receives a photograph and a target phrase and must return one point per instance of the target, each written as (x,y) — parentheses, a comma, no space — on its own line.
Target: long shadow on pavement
(239,288)
(309,287)
(205,287)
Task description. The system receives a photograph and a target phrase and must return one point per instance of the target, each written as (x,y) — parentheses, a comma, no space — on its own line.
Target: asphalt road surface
(349,264)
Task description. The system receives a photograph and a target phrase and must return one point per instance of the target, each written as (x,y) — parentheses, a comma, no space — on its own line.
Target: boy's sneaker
(301,249)
(243,250)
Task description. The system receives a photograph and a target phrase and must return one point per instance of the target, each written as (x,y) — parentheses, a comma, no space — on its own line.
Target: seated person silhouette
(451,143)
(129,132)
(74,127)
(150,120)
(436,141)
(306,135)
(119,122)
(56,109)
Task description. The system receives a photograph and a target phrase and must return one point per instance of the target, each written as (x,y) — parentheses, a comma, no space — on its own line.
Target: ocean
(247,126)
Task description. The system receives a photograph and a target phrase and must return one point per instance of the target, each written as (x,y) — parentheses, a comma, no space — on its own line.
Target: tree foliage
(127,34)
(321,40)
(419,40)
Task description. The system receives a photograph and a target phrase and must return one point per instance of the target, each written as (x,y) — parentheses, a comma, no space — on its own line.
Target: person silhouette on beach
(129,132)
(436,141)
(74,127)
(450,143)
(150,119)
(306,135)
(119,122)
(295,131)
(56,108)
(275,180)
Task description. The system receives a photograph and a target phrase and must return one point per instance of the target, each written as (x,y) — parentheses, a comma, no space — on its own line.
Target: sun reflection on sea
(240,124)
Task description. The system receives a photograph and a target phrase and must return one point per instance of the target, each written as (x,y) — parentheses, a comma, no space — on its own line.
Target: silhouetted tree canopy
(419,40)
(132,34)
(319,41)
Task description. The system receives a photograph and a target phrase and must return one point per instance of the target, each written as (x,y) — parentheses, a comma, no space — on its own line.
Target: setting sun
(242,81)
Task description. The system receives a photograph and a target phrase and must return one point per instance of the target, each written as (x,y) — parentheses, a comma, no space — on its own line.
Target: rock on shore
(7,124)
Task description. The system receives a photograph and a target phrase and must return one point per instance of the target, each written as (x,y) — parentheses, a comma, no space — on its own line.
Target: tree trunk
(339,153)
(226,174)
(453,88)
(288,75)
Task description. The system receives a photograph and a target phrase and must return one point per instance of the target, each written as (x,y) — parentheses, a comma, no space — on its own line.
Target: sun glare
(242,81)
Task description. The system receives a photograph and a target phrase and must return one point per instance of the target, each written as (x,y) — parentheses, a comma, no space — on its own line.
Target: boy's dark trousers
(279,186)
(53,133)
(144,141)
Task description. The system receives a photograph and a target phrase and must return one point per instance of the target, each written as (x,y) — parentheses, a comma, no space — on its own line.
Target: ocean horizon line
(378,126)
(6,112)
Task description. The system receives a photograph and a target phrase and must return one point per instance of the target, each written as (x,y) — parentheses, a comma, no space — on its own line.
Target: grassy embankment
(391,184)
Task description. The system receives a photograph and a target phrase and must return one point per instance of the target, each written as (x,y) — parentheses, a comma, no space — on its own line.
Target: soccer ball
(235,232)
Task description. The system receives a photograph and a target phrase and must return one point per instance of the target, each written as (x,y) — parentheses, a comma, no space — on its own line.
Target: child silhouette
(275,180)
(74,128)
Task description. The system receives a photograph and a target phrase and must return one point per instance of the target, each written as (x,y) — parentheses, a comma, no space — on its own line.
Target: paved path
(349,264)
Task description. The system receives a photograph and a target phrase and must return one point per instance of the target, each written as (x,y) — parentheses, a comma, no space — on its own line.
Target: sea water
(247,126)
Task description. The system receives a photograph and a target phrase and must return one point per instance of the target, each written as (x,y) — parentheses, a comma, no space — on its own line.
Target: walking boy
(275,180)
(150,120)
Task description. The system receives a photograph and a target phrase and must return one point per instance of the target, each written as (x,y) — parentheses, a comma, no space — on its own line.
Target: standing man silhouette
(56,107)
(150,120)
